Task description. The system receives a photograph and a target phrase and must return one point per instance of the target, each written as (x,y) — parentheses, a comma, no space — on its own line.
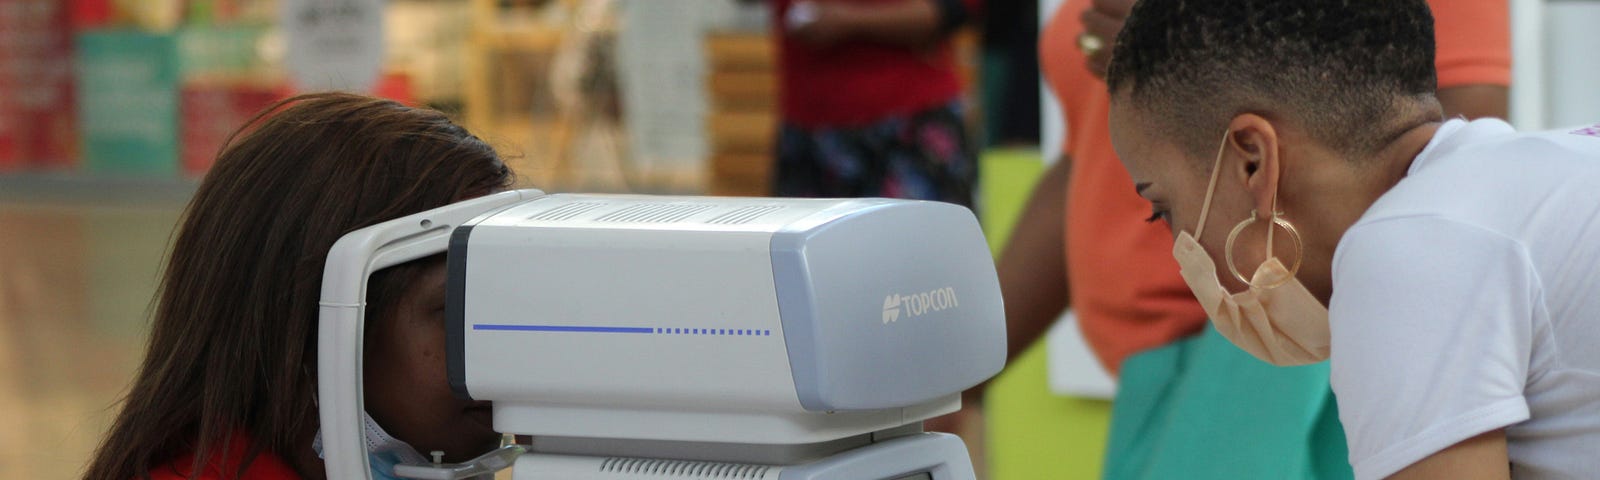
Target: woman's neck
(1380,174)
(1344,191)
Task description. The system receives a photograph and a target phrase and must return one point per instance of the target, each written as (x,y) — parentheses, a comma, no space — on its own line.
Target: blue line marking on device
(562,328)
(644,330)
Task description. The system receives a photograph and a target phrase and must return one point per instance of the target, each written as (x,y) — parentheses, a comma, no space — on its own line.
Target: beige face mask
(1277,319)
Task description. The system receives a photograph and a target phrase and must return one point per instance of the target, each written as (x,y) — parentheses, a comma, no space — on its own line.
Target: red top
(266,466)
(857,83)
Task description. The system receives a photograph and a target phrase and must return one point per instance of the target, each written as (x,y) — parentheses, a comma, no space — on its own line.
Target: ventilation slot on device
(654,213)
(682,468)
(566,212)
(744,215)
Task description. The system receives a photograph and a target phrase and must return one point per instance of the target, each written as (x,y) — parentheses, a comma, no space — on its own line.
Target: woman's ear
(1252,138)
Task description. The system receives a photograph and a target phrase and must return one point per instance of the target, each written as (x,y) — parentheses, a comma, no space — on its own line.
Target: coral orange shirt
(1122,279)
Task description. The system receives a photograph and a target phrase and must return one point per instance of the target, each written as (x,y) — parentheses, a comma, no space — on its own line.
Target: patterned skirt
(924,156)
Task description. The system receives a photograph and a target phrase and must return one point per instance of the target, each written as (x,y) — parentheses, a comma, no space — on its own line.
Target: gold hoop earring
(1299,247)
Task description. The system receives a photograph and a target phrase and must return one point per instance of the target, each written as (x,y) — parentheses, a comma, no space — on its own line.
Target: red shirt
(266,466)
(857,83)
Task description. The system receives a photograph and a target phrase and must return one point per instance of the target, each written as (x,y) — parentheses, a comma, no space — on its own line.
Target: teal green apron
(1201,408)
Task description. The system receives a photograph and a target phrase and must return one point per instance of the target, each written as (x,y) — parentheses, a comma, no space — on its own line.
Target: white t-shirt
(1467,299)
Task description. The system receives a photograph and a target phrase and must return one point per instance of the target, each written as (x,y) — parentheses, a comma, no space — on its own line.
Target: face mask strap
(1216,168)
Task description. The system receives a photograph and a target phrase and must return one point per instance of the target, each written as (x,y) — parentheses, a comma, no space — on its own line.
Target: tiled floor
(75,285)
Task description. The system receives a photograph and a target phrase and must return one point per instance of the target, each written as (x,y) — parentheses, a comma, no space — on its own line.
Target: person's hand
(1101,22)
(818,24)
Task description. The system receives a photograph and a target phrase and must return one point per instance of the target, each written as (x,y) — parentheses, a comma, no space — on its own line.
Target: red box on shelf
(396,86)
(87,14)
(211,111)
(37,114)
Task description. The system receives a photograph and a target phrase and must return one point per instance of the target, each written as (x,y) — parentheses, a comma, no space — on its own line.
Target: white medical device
(646,337)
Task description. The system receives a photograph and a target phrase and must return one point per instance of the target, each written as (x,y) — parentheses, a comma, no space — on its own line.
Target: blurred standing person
(1010,74)
(870,100)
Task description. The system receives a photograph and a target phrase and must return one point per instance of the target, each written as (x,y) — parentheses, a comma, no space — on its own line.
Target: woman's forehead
(1137,142)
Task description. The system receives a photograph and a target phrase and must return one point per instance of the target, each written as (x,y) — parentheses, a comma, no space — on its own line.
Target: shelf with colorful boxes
(100,97)
(104,90)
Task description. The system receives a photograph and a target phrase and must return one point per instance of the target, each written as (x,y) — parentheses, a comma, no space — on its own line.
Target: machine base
(921,456)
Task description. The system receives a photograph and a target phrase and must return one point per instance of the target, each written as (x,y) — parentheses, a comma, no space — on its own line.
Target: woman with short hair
(1325,209)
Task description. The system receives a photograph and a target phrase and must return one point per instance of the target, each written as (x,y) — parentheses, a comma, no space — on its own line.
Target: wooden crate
(744,51)
(742,133)
(742,121)
(744,91)
(757,167)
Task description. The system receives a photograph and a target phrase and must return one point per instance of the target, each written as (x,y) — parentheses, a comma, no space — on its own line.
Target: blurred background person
(870,100)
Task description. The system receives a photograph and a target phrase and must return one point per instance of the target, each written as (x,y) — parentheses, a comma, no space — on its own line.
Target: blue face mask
(382,464)
(383,451)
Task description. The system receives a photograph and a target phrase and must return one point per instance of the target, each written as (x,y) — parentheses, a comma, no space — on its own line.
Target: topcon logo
(917,304)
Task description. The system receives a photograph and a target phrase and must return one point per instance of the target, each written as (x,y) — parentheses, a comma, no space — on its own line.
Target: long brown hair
(232,350)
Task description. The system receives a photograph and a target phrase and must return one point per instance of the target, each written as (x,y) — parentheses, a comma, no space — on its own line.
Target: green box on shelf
(128,102)
(220,50)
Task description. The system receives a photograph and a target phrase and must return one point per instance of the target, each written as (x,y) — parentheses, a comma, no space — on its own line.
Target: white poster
(1052,123)
(333,44)
(1572,71)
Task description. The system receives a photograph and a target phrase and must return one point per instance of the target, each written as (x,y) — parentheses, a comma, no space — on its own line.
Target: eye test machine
(648,337)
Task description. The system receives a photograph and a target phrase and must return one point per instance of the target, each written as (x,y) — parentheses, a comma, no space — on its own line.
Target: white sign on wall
(1571,66)
(1052,123)
(333,44)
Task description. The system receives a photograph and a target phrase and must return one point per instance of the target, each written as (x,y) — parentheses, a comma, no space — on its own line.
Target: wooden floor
(75,284)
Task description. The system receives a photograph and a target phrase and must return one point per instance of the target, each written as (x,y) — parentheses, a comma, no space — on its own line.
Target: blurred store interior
(111,111)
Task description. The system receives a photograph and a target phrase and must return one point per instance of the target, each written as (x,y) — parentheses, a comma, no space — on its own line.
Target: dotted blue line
(714,332)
